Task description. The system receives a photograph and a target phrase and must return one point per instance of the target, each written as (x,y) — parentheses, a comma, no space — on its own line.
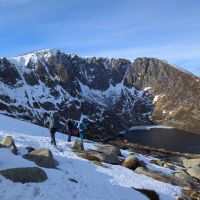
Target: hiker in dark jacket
(54,125)
(69,127)
(82,128)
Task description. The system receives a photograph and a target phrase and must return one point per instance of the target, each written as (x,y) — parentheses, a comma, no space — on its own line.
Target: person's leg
(81,136)
(69,135)
(52,132)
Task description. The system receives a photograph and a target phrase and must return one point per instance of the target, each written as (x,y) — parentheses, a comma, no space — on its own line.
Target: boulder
(157,154)
(191,162)
(131,162)
(151,194)
(109,149)
(88,155)
(183,176)
(8,142)
(175,159)
(190,194)
(78,146)
(100,157)
(160,176)
(157,162)
(25,175)
(42,157)
(194,172)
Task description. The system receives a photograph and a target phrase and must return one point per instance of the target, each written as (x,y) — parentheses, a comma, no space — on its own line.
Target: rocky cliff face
(112,94)
(176,92)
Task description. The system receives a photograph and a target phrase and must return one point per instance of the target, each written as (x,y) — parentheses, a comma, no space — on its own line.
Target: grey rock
(78,146)
(131,162)
(183,176)
(109,149)
(9,143)
(99,157)
(42,157)
(160,176)
(191,162)
(194,172)
(25,175)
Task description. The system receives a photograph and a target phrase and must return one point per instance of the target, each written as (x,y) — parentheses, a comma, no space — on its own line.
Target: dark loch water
(170,139)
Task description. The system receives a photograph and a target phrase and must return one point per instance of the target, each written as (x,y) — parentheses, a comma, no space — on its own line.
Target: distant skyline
(168,30)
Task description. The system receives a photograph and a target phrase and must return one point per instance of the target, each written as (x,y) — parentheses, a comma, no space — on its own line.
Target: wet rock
(8,142)
(25,175)
(42,157)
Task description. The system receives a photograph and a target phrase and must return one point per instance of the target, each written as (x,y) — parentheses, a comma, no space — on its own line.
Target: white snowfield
(94,182)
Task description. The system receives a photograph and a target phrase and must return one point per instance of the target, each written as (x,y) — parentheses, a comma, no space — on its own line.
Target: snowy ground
(94,182)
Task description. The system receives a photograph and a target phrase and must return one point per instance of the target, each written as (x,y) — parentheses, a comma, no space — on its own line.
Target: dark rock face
(177,91)
(111,93)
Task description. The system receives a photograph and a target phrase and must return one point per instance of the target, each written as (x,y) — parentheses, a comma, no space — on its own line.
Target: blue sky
(167,30)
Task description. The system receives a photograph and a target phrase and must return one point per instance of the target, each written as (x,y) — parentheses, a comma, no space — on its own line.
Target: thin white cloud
(8,3)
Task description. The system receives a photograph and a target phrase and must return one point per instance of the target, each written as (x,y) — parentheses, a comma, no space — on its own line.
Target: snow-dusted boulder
(160,176)
(184,177)
(9,142)
(191,162)
(109,149)
(42,157)
(194,172)
(78,146)
(25,175)
(100,157)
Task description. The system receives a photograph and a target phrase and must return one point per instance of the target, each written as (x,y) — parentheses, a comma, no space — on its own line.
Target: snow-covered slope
(94,182)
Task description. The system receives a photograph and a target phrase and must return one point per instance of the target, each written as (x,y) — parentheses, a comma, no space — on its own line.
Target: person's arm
(46,121)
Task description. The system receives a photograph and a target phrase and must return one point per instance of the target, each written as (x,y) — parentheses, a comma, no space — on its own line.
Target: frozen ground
(94,182)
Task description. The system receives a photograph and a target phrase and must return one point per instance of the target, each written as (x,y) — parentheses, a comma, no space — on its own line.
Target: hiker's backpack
(82,127)
(54,122)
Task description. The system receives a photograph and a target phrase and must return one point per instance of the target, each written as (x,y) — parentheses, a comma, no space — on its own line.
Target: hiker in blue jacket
(82,128)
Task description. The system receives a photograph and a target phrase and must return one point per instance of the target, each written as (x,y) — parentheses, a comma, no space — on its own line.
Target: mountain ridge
(111,93)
